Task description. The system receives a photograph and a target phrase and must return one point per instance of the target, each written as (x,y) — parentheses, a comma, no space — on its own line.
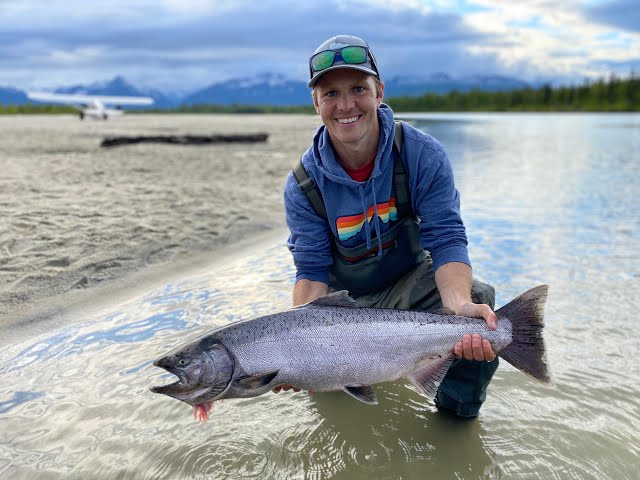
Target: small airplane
(93,106)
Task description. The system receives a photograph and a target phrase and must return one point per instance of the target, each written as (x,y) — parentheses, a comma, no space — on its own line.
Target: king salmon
(333,343)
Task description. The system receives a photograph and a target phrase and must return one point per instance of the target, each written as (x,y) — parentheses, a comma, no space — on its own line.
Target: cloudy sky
(183,45)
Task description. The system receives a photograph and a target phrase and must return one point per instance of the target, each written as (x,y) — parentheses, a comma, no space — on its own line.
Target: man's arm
(453,280)
(305,291)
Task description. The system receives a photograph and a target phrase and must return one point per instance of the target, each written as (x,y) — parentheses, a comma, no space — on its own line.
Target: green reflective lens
(354,55)
(323,60)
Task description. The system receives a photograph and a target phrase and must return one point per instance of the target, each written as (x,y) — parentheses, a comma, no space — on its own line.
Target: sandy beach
(75,216)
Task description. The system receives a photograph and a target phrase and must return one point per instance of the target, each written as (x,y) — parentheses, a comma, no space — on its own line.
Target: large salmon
(333,343)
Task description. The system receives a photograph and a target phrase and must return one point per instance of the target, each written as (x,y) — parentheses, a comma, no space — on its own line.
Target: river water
(546,199)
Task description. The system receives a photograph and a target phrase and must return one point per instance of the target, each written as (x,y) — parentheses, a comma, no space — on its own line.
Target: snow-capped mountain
(273,89)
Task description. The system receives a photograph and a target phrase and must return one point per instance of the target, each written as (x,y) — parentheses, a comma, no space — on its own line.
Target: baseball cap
(341,51)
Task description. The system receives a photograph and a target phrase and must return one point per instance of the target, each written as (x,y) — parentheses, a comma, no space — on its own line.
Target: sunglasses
(352,55)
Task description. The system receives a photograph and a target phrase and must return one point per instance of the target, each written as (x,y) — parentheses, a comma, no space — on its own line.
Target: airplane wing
(73,99)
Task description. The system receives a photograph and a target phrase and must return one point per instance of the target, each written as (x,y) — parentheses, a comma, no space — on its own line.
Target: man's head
(347,91)
(342,51)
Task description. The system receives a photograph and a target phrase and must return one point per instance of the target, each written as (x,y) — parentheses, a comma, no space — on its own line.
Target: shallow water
(546,199)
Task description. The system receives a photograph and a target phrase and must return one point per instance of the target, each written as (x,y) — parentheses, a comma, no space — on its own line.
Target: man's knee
(464,388)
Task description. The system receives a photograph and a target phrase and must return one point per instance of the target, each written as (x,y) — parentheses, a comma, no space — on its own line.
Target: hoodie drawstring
(374,218)
(367,229)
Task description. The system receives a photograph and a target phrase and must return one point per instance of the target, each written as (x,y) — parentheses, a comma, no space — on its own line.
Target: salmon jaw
(201,411)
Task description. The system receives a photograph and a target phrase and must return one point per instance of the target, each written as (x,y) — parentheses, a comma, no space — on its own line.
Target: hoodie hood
(329,166)
(327,163)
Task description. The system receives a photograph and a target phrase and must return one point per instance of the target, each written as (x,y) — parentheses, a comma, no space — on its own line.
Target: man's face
(347,102)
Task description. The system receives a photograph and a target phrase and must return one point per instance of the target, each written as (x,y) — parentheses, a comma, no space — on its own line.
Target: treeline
(612,95)
(30,108)
(235,108)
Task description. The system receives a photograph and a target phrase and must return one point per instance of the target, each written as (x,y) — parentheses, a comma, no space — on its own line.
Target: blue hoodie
(434,199)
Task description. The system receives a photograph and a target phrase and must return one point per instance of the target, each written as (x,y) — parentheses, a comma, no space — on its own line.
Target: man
(383,224)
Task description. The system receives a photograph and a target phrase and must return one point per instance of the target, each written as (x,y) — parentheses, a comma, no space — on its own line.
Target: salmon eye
(183,362)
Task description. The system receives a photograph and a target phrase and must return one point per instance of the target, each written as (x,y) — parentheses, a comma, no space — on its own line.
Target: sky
(184,45)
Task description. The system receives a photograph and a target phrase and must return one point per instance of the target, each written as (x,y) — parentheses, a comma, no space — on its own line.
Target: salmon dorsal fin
(430,373)
(335,299)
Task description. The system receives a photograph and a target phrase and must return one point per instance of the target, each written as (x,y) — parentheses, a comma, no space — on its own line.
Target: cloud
(240,40)
(190,44)
(624,14)
(552,39)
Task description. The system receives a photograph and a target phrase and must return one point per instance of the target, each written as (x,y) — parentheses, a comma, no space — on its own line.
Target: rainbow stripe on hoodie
(349,226)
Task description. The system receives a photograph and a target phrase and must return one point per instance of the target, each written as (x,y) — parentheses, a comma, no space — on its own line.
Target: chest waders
(360,269)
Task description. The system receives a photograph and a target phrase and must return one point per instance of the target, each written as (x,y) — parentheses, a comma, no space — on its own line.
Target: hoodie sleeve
(437,202)
(309,237)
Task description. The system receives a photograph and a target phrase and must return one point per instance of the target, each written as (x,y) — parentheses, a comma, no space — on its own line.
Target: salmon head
(204,369)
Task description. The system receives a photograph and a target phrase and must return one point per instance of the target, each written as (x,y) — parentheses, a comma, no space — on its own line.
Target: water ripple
(74,402)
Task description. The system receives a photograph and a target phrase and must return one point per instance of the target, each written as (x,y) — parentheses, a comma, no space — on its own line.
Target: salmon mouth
(178,387)
(181,391)
(173,388)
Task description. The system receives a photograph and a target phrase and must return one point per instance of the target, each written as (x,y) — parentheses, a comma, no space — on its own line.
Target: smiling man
(372,208)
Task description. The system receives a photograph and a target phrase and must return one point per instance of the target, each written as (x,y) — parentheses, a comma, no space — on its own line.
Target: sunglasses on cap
(351,55)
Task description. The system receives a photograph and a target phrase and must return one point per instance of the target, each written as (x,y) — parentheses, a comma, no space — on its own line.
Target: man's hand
(286,388)
(474,347)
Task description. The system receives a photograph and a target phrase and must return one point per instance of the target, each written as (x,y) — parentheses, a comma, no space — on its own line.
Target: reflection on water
(546,199)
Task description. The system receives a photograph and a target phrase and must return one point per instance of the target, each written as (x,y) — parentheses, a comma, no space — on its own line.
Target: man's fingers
(479,311)
(467,349)
(286,388)
(476,347)
(489,354)
(489,316)
(457,349)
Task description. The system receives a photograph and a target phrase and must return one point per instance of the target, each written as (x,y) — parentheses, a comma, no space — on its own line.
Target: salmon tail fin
(527,351)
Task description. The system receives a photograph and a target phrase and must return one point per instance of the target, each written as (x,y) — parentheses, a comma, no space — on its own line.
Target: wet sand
(75,217)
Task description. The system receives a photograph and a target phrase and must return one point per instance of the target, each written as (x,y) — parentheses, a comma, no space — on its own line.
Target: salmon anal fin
(430,373)
(364,393)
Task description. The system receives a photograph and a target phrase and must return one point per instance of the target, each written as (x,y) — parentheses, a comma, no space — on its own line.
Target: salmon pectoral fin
(252,382)
(430,372)
(364,393)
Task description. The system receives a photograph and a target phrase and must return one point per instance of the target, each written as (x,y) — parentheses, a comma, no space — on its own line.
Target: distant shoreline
(612,95)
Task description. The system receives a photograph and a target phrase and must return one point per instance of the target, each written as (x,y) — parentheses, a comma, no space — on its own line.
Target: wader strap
(309,188)
(400,177)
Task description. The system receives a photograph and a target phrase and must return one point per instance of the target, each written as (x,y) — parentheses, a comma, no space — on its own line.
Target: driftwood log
(185,139)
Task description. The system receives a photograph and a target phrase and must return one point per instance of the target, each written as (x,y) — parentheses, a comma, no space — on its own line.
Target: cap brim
(362,68)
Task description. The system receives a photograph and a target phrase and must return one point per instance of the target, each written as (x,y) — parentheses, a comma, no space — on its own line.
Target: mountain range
(273,89)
